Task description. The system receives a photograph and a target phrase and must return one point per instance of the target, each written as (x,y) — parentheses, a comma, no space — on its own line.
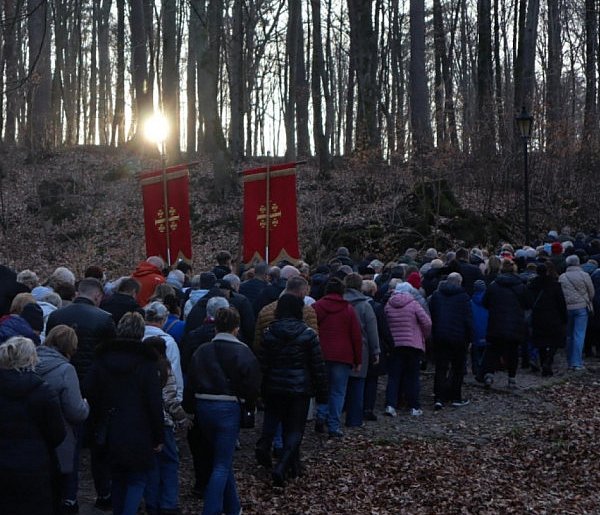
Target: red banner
(270,218)
(167,217)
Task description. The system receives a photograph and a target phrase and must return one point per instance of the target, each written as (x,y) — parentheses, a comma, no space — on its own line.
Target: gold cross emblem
(161,220)
(274,216)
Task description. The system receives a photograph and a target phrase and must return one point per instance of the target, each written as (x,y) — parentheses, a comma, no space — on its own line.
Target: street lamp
(156,130)
(524,123)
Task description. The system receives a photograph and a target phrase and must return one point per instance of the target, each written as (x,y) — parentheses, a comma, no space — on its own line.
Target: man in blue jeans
(578,289)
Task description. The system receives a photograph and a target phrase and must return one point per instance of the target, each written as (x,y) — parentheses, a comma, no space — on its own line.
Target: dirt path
(533,449)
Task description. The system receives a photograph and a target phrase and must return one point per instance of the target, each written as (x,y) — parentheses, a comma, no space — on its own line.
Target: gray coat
(55,369)
(368,326)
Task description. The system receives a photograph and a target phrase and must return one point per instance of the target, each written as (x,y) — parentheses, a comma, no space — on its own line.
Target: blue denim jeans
(162,489)
(576,326)
(127,491)
(220,423)
(337,374)
(404,366)
(355,401)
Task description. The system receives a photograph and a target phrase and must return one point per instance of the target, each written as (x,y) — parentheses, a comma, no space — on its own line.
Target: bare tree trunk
(553,80)
(440,51)
(170,79)
(302,96)
(292,43)
(192,110)
(39,137)
(139,61)
(104,72)
(236,83)
(118,125)
(502,133)
(419,94)
(591,41)
(12,71)
(91,130)
(486,139)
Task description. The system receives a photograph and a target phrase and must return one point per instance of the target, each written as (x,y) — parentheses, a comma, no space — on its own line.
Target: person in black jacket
(31,427)
(548,315)
(451,320)
(293,371)
(506,299)
(93,327)
(469,272)
(222,373)
(123,300)
(125,397)
(252,288)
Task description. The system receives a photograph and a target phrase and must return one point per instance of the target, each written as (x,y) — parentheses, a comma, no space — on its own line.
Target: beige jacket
(577,287)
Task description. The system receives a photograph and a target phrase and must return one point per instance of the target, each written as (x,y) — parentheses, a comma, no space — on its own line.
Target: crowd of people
(122,367)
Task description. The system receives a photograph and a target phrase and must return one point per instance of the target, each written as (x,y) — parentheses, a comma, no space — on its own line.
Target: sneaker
(512,383)
(104,503)
(459,404)
(488,380)
(438,406)
(390,411)
(416,412)
(319,425)
(370,416)
(68,507)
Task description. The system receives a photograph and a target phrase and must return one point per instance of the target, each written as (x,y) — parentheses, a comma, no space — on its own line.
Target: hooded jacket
(15,325)
(409,323)
(339,330)
(291,361)
(506,300)
(577,287)
(125,396)
(59,374)
(368,326)
(149,278)
(451,314)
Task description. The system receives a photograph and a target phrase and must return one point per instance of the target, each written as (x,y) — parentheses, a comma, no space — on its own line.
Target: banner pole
(166,202)
(268,213)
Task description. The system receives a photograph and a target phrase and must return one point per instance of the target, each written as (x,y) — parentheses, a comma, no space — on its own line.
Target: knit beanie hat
(556,248)
(34,316)
(414,280)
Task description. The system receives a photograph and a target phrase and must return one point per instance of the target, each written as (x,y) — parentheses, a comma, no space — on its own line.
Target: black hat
(34,316)
(207,280)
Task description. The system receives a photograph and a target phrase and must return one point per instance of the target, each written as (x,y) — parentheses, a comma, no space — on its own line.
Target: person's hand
(375,360)
(158,448)
(356,368)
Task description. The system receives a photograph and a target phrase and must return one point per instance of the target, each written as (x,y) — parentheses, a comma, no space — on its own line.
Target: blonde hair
(20,301)
(18,353)
(508,267)
(63,339)
(369,286)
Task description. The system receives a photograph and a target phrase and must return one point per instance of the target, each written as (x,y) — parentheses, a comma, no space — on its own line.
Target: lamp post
(524,123)
(156,130)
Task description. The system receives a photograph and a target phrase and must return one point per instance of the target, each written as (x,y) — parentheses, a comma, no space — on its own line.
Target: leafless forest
(411,91)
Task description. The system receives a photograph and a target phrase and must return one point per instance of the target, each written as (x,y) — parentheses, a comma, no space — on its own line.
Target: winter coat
(291,361)
(92,325)
(31,427)
(247,317)
(191,341)
(223,369)
(15,325)
(9,288)
(409,324)
(149,278)
(120,303)
(267,315)
(470,274)
(507,299)
(386,342)
(124,392)
(339,330)
(480,319)
(577,287)
(252,288)
(269,294)
(368,326)
(175,328)
(172,354)
(451,316)
(173,412)
(431,279)
(60,375)
(549,312)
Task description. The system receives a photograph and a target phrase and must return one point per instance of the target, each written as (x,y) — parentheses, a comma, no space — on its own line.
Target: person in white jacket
(156,316)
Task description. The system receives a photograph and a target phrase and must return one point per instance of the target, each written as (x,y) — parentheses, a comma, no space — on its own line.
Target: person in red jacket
(341,344)
(149,274)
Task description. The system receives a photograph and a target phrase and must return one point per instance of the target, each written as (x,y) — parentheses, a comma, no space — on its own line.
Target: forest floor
(535,449)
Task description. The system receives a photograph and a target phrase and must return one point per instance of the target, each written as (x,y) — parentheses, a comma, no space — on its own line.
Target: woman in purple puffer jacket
(409,325)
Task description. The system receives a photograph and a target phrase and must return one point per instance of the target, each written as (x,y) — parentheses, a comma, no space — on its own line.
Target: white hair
(63,275)
(28,278)
(233,280)
(214,304)
(156,312)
